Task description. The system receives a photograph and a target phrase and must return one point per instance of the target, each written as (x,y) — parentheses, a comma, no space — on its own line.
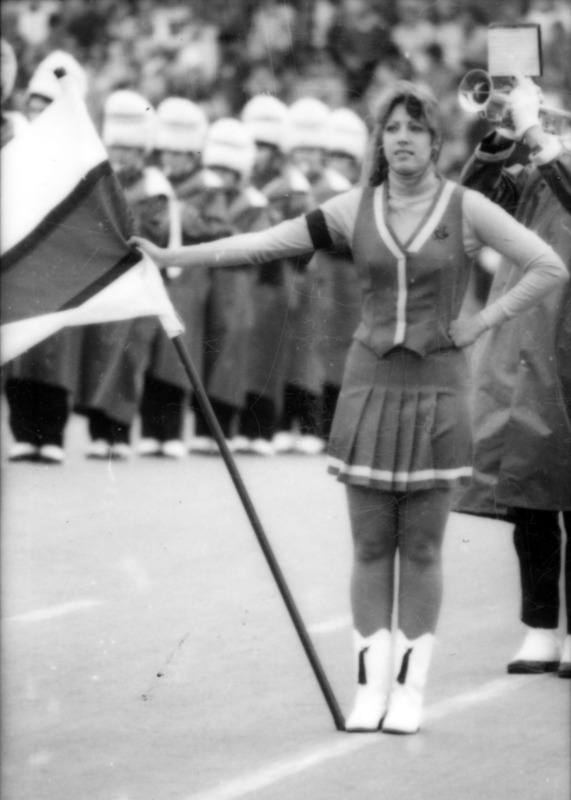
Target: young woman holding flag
(401,436)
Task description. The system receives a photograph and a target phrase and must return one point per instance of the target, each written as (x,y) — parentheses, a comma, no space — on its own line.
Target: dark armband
(318,230)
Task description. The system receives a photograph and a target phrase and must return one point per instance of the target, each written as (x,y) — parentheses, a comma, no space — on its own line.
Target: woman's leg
(373,518)
(421,525)
(422,520)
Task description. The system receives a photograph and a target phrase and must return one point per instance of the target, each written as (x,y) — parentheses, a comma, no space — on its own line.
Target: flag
(64,229)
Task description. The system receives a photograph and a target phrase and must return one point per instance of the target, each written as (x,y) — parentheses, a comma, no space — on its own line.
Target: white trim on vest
(433,219)
(400,256)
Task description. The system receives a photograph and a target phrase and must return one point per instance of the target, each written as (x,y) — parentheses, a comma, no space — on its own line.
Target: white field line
(288,768)
(331,625)
(41,614)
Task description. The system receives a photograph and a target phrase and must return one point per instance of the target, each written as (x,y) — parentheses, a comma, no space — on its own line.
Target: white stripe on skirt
(404,477)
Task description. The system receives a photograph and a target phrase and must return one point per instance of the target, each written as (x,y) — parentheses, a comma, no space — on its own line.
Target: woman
(401,439)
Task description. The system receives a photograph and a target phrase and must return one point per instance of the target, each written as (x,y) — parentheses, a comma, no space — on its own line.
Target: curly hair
(420,104)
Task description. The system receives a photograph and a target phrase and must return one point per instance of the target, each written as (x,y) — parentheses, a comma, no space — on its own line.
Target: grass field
(147,654)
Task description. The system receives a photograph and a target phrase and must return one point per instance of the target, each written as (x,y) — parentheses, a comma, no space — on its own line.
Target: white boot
(374,658)
(539,653)
(412,661)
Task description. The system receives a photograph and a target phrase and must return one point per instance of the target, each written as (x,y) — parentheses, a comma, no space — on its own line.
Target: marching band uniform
(303,142)
(41,381)
(522,402)
(264,115)
(181,132)
(229,152)
(115,355)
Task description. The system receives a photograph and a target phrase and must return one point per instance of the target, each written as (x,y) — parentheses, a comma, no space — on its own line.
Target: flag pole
(216,430)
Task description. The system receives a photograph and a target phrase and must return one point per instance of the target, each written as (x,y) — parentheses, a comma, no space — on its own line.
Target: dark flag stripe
(56,216)
(77,250)
(103,281)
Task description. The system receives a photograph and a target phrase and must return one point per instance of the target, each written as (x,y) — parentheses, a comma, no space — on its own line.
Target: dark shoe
(532,667)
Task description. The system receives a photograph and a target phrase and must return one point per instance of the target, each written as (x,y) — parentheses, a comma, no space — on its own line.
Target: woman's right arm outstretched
(288,238)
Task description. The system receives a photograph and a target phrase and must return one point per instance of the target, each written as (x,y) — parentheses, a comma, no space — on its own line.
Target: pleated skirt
(402,421)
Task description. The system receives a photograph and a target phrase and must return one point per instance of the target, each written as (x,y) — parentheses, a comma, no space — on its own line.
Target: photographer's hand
(523,107)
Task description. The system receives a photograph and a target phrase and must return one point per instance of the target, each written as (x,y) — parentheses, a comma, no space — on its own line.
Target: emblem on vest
(440,233)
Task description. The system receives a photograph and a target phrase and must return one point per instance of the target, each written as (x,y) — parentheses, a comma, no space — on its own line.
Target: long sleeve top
(403,218)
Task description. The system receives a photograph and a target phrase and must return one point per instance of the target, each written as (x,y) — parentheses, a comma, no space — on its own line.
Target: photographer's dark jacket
(522,389)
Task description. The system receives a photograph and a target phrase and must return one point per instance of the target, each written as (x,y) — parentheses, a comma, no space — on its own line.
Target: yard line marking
(50,612)
(331,625)
(261,779)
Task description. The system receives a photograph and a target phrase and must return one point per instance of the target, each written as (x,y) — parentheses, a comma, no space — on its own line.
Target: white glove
(523,108)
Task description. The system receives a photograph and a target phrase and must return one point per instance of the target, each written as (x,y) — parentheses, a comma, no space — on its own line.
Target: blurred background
(220,53)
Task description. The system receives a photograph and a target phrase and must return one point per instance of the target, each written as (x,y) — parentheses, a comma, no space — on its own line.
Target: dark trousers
(225,414)
(258,418)
(162,410)
(301,406)
(38,411)
(102,427)
(539,547)
(329,397)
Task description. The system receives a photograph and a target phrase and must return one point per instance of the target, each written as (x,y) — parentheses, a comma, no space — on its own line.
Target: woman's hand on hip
(464,332)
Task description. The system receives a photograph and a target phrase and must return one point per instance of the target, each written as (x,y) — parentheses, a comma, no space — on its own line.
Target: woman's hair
(421,104)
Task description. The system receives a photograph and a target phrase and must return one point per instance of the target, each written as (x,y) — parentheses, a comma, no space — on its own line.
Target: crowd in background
(271,356)
(220,53)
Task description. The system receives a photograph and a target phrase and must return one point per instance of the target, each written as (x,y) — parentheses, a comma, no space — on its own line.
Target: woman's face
(407,142)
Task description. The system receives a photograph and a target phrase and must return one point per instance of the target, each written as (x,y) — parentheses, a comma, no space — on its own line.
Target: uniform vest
(410,291)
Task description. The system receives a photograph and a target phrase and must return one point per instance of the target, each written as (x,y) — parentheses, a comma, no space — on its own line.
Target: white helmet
(305,124)
(230,144)
(182,126)
(346,133)
(264,116)
(128,120)
(44,82)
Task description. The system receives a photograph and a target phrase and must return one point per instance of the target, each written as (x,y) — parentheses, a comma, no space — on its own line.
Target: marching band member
(299,431)
(229,152)
(42,380)
(182,127)
(264,117)
(115,355)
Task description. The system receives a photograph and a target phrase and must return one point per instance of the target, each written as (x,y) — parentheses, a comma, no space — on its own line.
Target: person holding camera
(522,397)
(401,434)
